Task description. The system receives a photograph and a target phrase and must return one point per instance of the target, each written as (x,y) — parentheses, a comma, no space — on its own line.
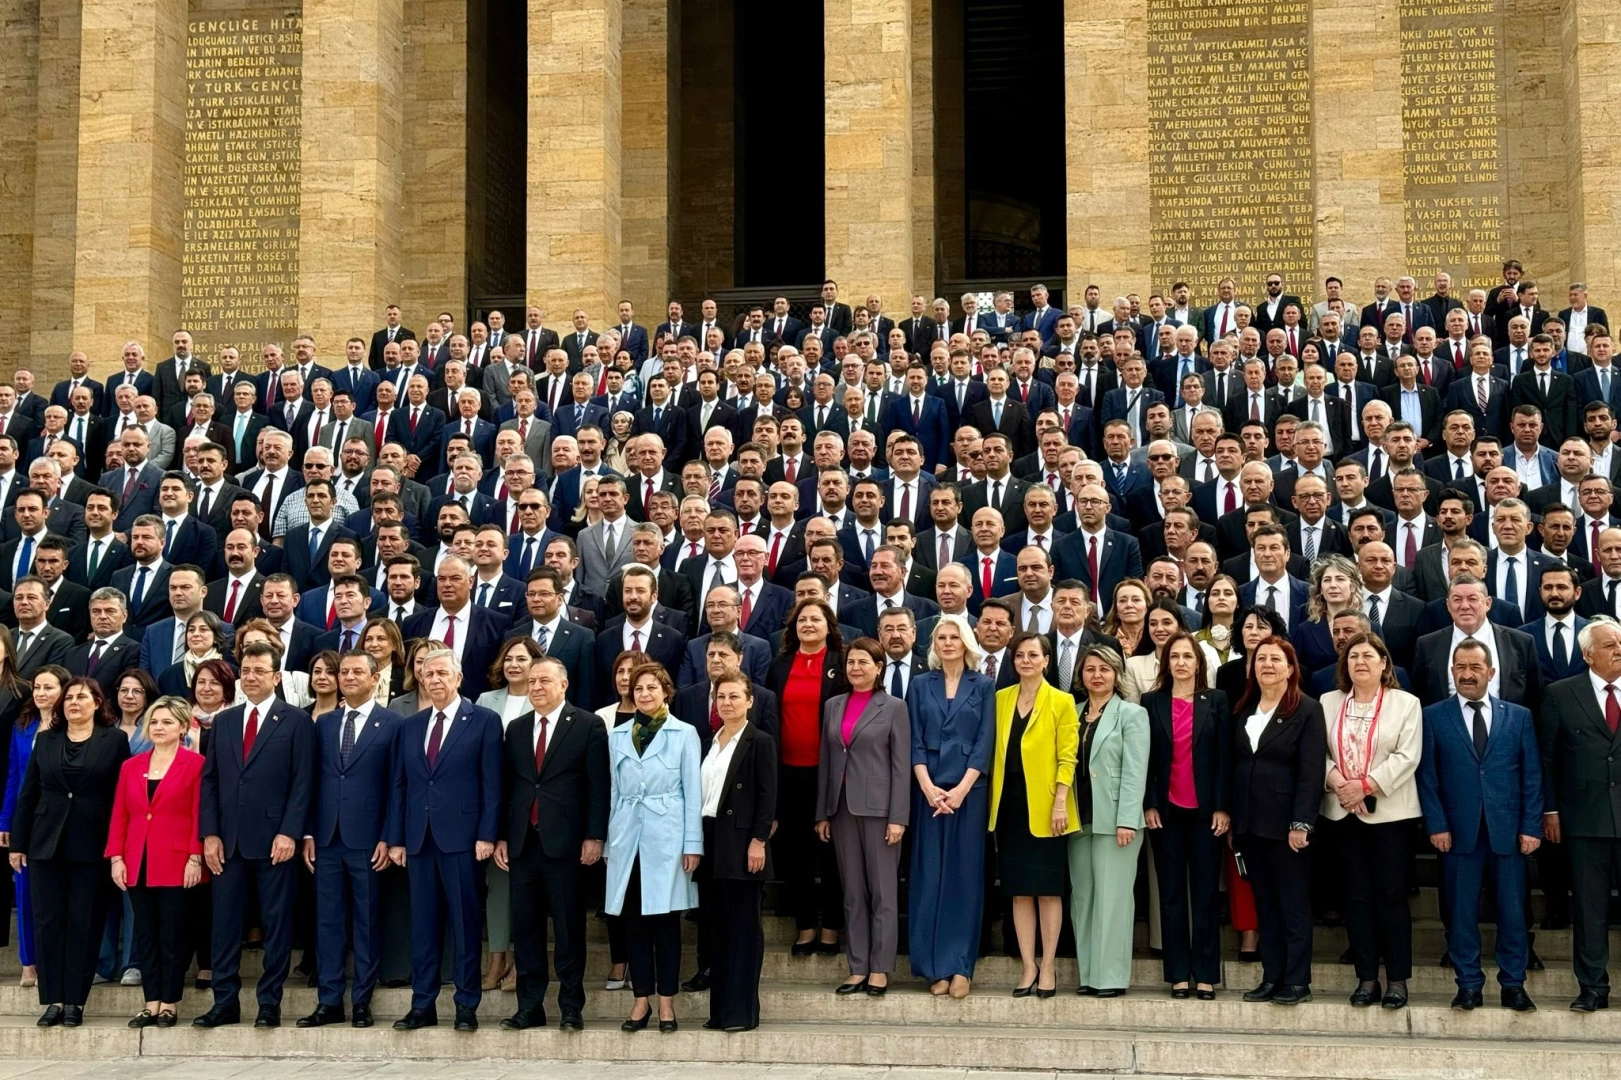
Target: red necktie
(715,721)
(1066,421)
(467,426)
(1592,548)
(789,472)
(1612,709)
(1232,499)
(906,502)
(635,641)
(776,546)
(523,431)
(1294,348)
(450,631)
(382,426)
(748,609)
(985,579)
(230,603)
(540,762)
(1412,548)
(251,732)
(1457,357)
(331,614)
(415,412)
(436,738)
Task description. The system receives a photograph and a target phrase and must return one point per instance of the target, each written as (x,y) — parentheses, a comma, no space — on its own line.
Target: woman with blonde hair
(381,639)
(406,703)
(1032,806)
(1128,615)
(1336,586)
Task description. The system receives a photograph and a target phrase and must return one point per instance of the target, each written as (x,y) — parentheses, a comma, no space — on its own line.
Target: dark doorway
(1013,149)
(497,159)
(777,61)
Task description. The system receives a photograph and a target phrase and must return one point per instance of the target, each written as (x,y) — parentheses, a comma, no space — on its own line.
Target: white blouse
(713,773)
(1256,724)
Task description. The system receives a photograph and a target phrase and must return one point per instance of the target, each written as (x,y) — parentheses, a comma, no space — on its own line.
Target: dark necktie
(346,745)
(1561,651)
(1479,725)
(436,738)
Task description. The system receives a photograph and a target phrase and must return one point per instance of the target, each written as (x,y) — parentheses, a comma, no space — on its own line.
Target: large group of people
(437,648)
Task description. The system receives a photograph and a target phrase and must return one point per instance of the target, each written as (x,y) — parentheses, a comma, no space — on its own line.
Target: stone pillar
(433,253)
(923,128)
(56,203)
(575,157)
(1356,45)
(705,247)
(132,91)
(19,128)
(349,236)
(1592,51)
(868,62)
(1106,89)
(649,154)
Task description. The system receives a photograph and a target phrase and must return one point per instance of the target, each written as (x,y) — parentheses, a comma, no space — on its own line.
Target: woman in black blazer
(1189,773)
(739,782)
(1278,772)
(60,833)
(806,674)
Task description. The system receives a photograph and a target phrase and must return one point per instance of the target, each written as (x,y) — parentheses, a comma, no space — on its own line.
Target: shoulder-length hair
(1342,667)
(30,711)
(790,626)
(1238,609)
(1291,693)
(1316,608)
(413,648)
(104,716)
(656,671)
(215,627)
(1166,681)
(1111,625)
(498,675)
(9,679)
(1109,656)
(149,687)
(223,673)
(179,706)
(396,643)
(973,655)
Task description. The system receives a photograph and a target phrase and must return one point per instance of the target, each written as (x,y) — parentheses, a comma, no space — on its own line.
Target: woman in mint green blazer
(1111,775)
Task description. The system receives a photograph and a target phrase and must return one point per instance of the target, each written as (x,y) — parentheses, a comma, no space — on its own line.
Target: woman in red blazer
(156,853)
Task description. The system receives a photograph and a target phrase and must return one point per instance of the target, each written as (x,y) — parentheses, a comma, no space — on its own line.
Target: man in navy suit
(579,411)
(466,421)
(185,538)
(921,415)
(78,375)
(1555,632)
(549,628)
(1043,318)
(449,773)
(355,799)
(257,784)
(470,631)
(635,630)
(1001,569)
(632,338)
(145,580)
(357,377)
(1275,587)
(721,609)
(663,418)
(1480,787)
(1095,554)
(421,428)
(307,546)
(762,606)
(131,374)
(1521,587)
(1131,400)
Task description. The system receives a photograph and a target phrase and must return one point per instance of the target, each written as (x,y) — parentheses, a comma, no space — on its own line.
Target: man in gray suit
(494,377)
(38,642)
(535,432)
(160,434)
(344,426)
(605,546)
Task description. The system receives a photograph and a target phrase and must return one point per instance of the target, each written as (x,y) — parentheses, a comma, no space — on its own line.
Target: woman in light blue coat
(655,837)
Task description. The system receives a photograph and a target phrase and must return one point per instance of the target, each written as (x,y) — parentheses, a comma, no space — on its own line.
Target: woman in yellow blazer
(1032,807)
(1112,777)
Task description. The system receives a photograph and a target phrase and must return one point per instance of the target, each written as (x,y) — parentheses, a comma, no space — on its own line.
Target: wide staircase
(805,1024)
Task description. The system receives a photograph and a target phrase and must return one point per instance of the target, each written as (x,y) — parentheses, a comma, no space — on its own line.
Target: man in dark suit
(1553,392)
(1577,729)
(307,545)
(1555,632)
(235,597)
(566,641)
(258,780)
(109,652)
(146,579)
(1465,391)
(1001,413)
(356,748)
(450,776)
(1519,673)
(1332,412)
(38,643)
(1095,555)
(472,632)
(67,604)
(1480,787)
(1269,311)
(636,629)
(922,416)
(555,819)
(390,332)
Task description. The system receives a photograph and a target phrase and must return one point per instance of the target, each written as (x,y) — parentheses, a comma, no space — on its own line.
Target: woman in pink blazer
(156,853)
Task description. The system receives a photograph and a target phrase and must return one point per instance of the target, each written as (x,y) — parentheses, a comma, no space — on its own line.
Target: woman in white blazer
(655,838)
(1375,739)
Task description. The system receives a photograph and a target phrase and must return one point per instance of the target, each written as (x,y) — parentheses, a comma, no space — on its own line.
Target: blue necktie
(315,543)
(896,684)
(140,588)
(25,557)
(168,539)
(527,560)
(484,594)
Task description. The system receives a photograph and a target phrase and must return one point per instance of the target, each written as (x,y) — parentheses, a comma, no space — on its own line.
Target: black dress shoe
(1590,1001)
(219,1016)
(321,1017)
(202,984)
(1468,1000)
(1533,962)
(735,1028)
(417,1018)
(1292,995)
(1347,958)
(667,1026)
(1024,991)
(1515,997)
(269,1017)
(829,948)
(637,1023)
(711,1025)
(846,989)
(1249,956)
(1365,995)
(523,1019)
(466,1018)
(1113,992)
(1205,995)
(1264,992)
(1040,993)
(72,1015)
(572,1021)
(166,1018)
(360,1016)
(1181,993)
(803,948)
(51,1017)
(1086,991)
(1395,995)
(701,980)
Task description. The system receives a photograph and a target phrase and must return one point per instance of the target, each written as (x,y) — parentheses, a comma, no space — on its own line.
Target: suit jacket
(353,802)
(933,430)
(310,570)
(379,341)
(1519,670)
(662,645)
(143,498)
(69,610)
(1529,599)
(1017,423)
(570,789)
(870,776)
(748,806)
(1250,590)
(1119,557)
(121,654)
(49,645)
(978,495)
(926,552)
(1116,406)
(65,817)
(1336,415)
(595,567)
(194,542)
(1494,419)
(1588,387)
(459,795)
(1004,578)
(1211,751)
(248,803)
(1579,766)
(672,428)
(1574,663)
(1280,780)
(484,630)
(1561,412)
(1429,407)
(1465,793)
(157,835)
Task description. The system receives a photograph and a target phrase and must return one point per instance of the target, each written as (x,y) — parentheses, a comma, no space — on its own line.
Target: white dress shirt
(1485,703)
(1487,637)
(441,622)
(450,721)
(712,773)
(629,629)
(548,730)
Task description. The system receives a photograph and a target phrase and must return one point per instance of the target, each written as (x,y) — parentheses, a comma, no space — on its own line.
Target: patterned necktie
(346,745)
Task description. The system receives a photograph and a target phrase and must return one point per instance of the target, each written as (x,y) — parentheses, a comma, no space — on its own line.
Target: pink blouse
(1183,791)
(852,713)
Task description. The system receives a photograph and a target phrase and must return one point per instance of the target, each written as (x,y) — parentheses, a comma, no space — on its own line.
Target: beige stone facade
(631,127)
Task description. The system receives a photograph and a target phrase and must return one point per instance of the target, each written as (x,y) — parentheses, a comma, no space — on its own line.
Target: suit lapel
(738,754)
(458,724)
(868,711)
(1274,728)
(267,727)
(554,741)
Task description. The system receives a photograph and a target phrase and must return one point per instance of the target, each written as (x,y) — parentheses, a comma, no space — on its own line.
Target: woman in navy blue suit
(1336,586)
(953,710)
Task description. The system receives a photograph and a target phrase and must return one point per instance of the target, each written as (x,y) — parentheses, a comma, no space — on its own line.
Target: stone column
(1106,90)
(1592,52)
(575,157)
(19,129)
(433,255)
(868,85)
(56,203)
(649,155)
(923,128)
(1356,46)
(349,235)
(132,90)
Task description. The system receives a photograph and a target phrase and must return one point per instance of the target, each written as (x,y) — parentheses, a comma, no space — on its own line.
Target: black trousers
(739,950)
(200,924)
(1373,861)
(162,939)
(544,887)
(1280,879)
(70,912)
(806,865)
(1593,865)
(1187,856)
(273,886)
(654,942)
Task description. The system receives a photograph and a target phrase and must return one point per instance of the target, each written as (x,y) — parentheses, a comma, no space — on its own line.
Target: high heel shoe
(492,981)
(667,1026)
(803,948)
(637,1023)
(961,985)
(876,991)
(1028,989)
(845,989)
